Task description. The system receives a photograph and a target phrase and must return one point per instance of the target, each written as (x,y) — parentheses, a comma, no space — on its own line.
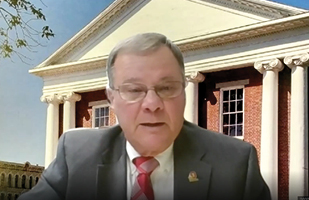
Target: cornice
(243,33)
(66,68)
(102,20)
(259,7)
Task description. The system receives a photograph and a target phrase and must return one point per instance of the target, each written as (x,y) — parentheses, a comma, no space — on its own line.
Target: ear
(110,97)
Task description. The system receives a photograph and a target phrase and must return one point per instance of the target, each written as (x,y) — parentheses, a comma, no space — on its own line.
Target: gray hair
(142,44)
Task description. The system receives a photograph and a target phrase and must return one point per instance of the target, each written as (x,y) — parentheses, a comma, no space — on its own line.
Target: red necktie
(142,188)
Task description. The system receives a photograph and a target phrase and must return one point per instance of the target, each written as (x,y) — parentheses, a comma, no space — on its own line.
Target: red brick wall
(283,132)
(209,104)
(84,111)
(252,101)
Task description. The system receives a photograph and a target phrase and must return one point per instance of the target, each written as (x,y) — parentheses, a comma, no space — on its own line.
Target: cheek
(175,110)
(125,112)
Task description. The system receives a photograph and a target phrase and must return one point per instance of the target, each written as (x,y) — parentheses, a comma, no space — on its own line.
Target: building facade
(16,178)
(246,63)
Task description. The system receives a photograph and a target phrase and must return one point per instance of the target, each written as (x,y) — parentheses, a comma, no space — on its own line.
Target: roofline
(278,5)
(263,8)
(118,6)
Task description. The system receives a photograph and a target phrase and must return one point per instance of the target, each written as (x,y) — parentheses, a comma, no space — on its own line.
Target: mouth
(152,124)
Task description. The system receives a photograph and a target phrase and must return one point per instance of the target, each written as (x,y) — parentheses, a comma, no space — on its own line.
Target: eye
(134,89)
(165,88)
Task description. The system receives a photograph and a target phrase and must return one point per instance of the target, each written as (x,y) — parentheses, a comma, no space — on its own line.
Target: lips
(152,124)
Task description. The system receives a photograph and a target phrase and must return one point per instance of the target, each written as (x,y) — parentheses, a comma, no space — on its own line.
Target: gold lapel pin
(192,176)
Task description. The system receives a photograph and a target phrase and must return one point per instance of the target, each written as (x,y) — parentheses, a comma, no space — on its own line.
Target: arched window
(36,180)
(2,179)
(2,196)
(10,181)
(23,181)
(30,182)
(9,197)
(16,181)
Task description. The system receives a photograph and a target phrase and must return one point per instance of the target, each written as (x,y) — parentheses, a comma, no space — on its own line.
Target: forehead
(150,66)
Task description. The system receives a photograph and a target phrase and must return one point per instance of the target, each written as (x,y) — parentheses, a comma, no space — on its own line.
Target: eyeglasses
(133,92)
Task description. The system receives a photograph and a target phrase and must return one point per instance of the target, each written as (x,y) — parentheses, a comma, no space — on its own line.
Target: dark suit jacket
(91,164)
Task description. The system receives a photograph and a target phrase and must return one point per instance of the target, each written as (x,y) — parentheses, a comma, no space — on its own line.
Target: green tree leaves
(17,21)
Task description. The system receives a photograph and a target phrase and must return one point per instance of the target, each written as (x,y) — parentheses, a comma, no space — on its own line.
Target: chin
(157,146)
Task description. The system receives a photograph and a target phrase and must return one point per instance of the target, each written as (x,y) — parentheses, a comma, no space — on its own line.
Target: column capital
(50,98)
(195,77)
(70,96)
(301,60)
(268,65)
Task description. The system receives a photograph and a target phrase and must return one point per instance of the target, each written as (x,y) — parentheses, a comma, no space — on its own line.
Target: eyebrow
(132,80)
(166,78)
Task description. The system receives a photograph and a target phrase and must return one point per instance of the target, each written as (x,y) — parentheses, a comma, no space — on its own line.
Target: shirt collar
(165,158)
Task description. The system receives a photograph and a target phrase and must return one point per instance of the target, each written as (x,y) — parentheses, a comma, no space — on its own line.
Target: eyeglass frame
(183,84)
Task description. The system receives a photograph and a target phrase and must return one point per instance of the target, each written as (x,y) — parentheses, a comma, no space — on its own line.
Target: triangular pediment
(178,19)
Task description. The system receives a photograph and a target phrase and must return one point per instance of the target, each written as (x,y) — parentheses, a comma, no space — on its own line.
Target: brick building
(16,178)
(246,65)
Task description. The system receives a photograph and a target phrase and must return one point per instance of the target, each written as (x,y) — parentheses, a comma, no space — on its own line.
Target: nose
(152,102)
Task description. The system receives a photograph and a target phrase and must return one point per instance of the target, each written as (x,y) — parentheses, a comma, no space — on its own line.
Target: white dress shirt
(162,178)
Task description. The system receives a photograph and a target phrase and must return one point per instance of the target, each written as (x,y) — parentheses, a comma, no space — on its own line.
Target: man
(153,153)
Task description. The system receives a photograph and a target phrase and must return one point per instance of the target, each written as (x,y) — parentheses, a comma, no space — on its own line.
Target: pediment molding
(263,8)
(242,33)
(66,68)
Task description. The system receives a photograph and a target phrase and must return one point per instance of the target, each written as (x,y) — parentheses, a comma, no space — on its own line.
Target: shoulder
(211,140)
(81,134)
(87,137)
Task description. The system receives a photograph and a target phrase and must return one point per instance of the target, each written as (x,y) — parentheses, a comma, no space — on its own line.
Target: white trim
(97,103)
(221,105)
(232,84)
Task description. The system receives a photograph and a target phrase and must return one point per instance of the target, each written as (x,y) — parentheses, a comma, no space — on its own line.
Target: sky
(22,114)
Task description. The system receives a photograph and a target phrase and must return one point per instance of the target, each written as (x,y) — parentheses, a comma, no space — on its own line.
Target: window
(30,182)
(23,181)
(36,180)
(16,181)
(10,181)
(100,116)
(2,179)
(232,111)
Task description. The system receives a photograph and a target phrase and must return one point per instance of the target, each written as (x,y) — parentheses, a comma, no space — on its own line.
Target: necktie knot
(145,165)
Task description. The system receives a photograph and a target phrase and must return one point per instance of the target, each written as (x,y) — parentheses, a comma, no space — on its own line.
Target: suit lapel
(111,175)
(188,157)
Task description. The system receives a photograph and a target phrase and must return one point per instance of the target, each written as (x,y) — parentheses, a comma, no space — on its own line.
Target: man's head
(146,80)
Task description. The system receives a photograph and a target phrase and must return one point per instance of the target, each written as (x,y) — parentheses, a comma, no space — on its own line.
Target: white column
(191,109)
(297,166)
(52,127)
(69,106)
(269,127)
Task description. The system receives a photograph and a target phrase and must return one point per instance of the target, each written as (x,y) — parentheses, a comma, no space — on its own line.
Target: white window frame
(96,105)
(233,85)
